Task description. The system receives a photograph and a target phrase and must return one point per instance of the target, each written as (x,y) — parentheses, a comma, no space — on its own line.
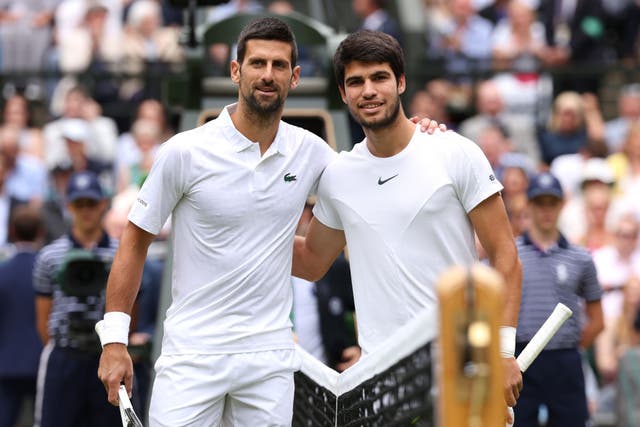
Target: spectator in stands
(490,108)
(91,48)
(555,271)
(518,213)
(146,135)
(20,345)
(597,203)
(374,16)
(463,41)
(148,46)
(424,104)
(150,110)
(77,138)
(16,114)
(626,168)
(595,183)
(575,33)
(518,47)
(617,264)
(69,15)
(25,35)
(575,120)
(68,305)
(78,104)
(570,169)
(25,175)
(617,128)
(54,209)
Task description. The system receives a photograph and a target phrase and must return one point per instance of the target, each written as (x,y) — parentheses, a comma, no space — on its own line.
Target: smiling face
(372,93)
(265,76)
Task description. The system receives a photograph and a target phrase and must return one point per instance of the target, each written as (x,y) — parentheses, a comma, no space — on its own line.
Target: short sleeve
(474,178)
(325,210)
(162,189)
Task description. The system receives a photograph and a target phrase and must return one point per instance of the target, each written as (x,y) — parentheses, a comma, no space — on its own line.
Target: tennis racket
(541,338)
(129,417)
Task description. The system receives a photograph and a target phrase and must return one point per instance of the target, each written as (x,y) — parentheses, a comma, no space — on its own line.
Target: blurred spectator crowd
(501,85)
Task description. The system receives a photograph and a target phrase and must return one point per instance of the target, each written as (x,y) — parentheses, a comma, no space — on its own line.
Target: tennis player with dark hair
(406,204)
(235,188)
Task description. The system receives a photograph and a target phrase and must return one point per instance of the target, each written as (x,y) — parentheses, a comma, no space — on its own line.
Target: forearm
(509,267)
(126,270)
(305,265)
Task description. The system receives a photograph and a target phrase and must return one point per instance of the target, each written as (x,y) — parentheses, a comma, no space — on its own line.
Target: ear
(295,77)
(342,94)
(235,71)
(402,84)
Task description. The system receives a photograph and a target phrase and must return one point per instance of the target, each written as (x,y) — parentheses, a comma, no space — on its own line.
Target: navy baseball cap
(84,185)
(544,184)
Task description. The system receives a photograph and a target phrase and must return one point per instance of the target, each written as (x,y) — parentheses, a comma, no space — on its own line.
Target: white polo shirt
(405,221)
(234,213)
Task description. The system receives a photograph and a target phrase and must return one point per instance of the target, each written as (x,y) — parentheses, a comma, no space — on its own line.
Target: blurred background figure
(490,108)
(628,113)
(90,47)
(575,121)
(626,168)
(25,177)
(589,201)
(20,345)
(617,263)
(103,132)
(133,171)
(16,114)
(25,36)
(518,52)
(150,47)
(70,277)
(374,16)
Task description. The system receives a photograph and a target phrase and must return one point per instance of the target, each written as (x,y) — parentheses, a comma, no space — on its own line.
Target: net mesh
(393,387)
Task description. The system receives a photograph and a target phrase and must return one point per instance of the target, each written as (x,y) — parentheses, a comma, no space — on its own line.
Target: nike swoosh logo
(382,181)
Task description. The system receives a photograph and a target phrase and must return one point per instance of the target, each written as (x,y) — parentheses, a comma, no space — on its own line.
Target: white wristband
(114,328)
(507,341)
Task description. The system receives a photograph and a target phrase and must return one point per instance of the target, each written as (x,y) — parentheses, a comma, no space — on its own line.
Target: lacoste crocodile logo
(382,181)
(288,178)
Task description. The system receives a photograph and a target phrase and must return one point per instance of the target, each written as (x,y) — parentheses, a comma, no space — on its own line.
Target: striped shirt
(563,273)
(66,309)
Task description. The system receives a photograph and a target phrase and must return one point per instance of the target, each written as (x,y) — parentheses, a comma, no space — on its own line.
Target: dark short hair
(26,223)
(267,28)
(369,47)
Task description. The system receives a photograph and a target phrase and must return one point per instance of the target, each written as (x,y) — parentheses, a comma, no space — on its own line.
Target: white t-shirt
(405,221)
(234,214)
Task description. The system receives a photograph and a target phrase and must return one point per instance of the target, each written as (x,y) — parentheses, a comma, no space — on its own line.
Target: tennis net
(392,386)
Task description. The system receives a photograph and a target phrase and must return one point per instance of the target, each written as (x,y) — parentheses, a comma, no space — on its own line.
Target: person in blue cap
(553,271)
(69,276)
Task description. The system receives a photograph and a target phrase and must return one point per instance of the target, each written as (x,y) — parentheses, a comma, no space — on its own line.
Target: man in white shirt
(406,205)
(235,188)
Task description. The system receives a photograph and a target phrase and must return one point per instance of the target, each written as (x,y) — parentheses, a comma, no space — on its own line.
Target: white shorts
(240,389)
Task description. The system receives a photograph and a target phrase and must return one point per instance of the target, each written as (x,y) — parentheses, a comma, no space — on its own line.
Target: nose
(267,75)
(368,89)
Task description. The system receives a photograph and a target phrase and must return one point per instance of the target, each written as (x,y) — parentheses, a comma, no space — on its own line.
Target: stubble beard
(263,109)
(381,123)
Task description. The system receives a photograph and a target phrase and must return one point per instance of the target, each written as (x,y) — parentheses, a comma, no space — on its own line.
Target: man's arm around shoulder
(314,254)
